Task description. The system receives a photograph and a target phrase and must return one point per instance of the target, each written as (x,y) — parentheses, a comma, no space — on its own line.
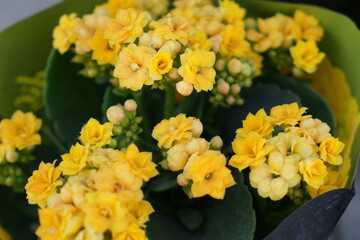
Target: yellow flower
(73,192)
(287,114)
(255,59)
(73,162)
(96,134)
(155,7)
(112,6)
(306,55)
(233,43)
(232,12)
(104,211)
(51,224)
(314,172)
(256,123)
(330,149)
(132,67)
(208,174)
(21,130)
(160,64)
(173,131)
(126,179)
(141,163)
(105,180)
(140,212)
(100,157)
(102,52)
(197,69)
(63,34)
(200,41)
(4,235)
(43,183)
(249,151)
(177,157)
(307,27)
(313,129)
(127,25)
(174,28)
(269,35)
(329,184)
(133,232)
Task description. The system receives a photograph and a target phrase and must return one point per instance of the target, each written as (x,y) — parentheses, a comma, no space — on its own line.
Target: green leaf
(70,99)
(192,218)
(165,181)
(231,218)
(25,47)
(256,97)
(317,106)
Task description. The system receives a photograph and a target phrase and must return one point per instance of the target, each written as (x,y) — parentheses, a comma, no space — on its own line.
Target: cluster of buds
(232,76)
(126,124)
(91,69)
(18,136)
(202,165)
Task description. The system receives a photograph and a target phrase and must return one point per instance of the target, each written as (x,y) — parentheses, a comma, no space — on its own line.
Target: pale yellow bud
(130,105)
(198,128)
(230,100)
(12,156)
(258,173)
(182,180)
(264,187)
(297,72)
(177,157)
(174,74)
(115,114)
(223,87)
(197,145)
(279,188)
(250,23)
(216,143)
(219,65)
(234,66)
(235,88)
(276,161)
(214,27)
(184,88)
(216,43)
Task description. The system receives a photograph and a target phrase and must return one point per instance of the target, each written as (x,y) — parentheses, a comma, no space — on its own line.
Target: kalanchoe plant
(202,121)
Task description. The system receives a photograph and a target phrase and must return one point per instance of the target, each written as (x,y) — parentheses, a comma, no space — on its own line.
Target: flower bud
(198,127)
(250,23)
(182,180)
(223,87)
(164,164)
(115,114)
(230,100)
(246,69)
(184,88)
(174,74)
(219,65)
(216,143)
(234,66)
(297,72)
(216,43)
(235,88)
(214,27)
(12,156)
(130,105)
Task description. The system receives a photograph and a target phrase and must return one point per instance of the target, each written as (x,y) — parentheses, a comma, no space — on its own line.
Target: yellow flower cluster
(203,167)
(18,133)
(298,33)
(94,191)
(303,151)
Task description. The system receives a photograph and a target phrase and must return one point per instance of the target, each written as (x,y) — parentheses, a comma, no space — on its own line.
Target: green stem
(142,112)
(169,100)
(47,132)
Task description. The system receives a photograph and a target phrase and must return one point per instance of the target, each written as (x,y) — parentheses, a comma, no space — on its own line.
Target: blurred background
(12,11)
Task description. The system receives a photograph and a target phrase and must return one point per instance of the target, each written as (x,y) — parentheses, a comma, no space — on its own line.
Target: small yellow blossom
(173,131)
(200,41)
(105,180)
(311,128)
(140,212)
(174,28)
(73,192)
(160,64)
(330,149)
(112,6)
(101,50)
(104,211)
(249,151)
(133,232)
(154,7)
(103,157)
(141,163)
(177,157)
(286,28)
(127,25)
(329,184)
(232,12)
(233,43)
(133,65)
(197,69)
(314,172)
(73,162)
(96,134)
(21,130)
(307,26)
(306,55)
(255,59)
(52,224)
(43,183)
(209,174)
(256,123)
(287,114)
(63,34)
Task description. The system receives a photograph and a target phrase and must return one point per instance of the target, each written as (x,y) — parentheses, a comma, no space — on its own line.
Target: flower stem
(169,100)
(142,112)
